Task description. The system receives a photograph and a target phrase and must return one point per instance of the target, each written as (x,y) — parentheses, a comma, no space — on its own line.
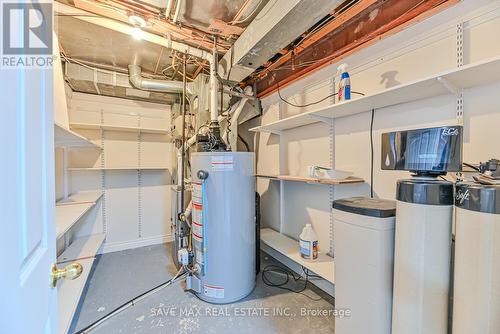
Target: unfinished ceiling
(264,43)
(191,22)
(353,25)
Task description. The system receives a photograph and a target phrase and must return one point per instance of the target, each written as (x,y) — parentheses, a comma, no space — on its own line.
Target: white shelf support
(450,86)
(460,64)
(331,190)
(455,80)
(322,119)
(274,132)
(460,108)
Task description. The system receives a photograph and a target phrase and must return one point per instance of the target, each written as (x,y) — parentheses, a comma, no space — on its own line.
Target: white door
(28,305)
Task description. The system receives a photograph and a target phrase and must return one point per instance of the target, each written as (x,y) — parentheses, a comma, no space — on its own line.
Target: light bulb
(137,33)
(137,21)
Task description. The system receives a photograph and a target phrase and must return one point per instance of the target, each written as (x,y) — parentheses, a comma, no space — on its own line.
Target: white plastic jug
(308,243)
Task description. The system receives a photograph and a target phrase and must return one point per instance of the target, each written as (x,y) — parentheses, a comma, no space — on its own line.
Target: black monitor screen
(432,150)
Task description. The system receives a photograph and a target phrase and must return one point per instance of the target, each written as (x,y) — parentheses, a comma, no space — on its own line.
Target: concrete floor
(119,277)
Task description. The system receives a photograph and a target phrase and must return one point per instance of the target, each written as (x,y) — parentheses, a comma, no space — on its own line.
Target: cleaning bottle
(344,92)
(308,243)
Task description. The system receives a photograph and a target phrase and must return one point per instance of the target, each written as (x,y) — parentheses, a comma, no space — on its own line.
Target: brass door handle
(71,271)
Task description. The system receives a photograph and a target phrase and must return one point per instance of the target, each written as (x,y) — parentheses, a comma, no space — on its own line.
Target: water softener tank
(363,233)
(476,302)
(424,210)
(223,226)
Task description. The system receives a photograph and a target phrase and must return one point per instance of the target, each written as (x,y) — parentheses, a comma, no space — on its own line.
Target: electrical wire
(311,103)
(306,272)
(248,16)
(371,156)
(244,142)
(131,302)
(471,166)
(287,275)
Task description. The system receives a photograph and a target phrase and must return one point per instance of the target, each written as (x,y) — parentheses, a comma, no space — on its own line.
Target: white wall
(419,51)
(135,210)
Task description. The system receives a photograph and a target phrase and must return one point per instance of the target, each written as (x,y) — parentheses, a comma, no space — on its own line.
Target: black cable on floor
(371,147)
(131,302)
(306,272)
(287,275)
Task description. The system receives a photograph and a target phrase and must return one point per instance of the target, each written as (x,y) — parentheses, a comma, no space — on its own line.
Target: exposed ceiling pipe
(139,82)
(177,11)
(214,112)
(127,29)
(168,9)
(152,38)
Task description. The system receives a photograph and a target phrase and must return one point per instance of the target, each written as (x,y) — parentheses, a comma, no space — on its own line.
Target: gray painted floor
(119,277)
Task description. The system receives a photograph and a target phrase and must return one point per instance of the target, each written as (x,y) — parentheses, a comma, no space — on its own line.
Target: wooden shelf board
(349,180)
(80,198)
(322,266)
(272,177)
(66,138)
(69,215)
(117,128)
(447,82)
(70,291)
(117,168)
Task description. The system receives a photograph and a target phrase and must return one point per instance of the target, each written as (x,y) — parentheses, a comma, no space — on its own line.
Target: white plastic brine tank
(363,233)
(476,301)
(223,226)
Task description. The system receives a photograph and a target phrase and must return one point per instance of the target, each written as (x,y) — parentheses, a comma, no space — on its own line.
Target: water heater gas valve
(183,256)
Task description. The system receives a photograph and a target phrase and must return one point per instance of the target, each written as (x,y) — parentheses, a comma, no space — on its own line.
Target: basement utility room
(243,166)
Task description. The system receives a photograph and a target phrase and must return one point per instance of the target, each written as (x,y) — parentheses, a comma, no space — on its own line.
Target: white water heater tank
(223,226)
(476,301)
(424,211)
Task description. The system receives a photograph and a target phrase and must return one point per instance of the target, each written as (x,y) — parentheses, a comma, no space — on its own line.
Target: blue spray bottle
(344,92)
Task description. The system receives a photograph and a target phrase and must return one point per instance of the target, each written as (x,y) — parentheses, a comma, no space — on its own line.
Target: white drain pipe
(214,112)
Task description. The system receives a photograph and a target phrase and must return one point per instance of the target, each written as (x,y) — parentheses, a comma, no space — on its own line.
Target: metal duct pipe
(150,84)
(183,152)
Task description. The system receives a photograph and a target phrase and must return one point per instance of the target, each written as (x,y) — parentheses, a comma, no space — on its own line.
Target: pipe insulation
(214,113)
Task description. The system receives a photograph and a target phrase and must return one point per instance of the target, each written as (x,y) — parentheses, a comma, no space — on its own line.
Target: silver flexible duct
(150,84)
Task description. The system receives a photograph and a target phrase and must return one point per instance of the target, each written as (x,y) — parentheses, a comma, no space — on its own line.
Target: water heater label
(197,213)
(199,256)
(197,225)
(213,291)
(197,192)
(222,163)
